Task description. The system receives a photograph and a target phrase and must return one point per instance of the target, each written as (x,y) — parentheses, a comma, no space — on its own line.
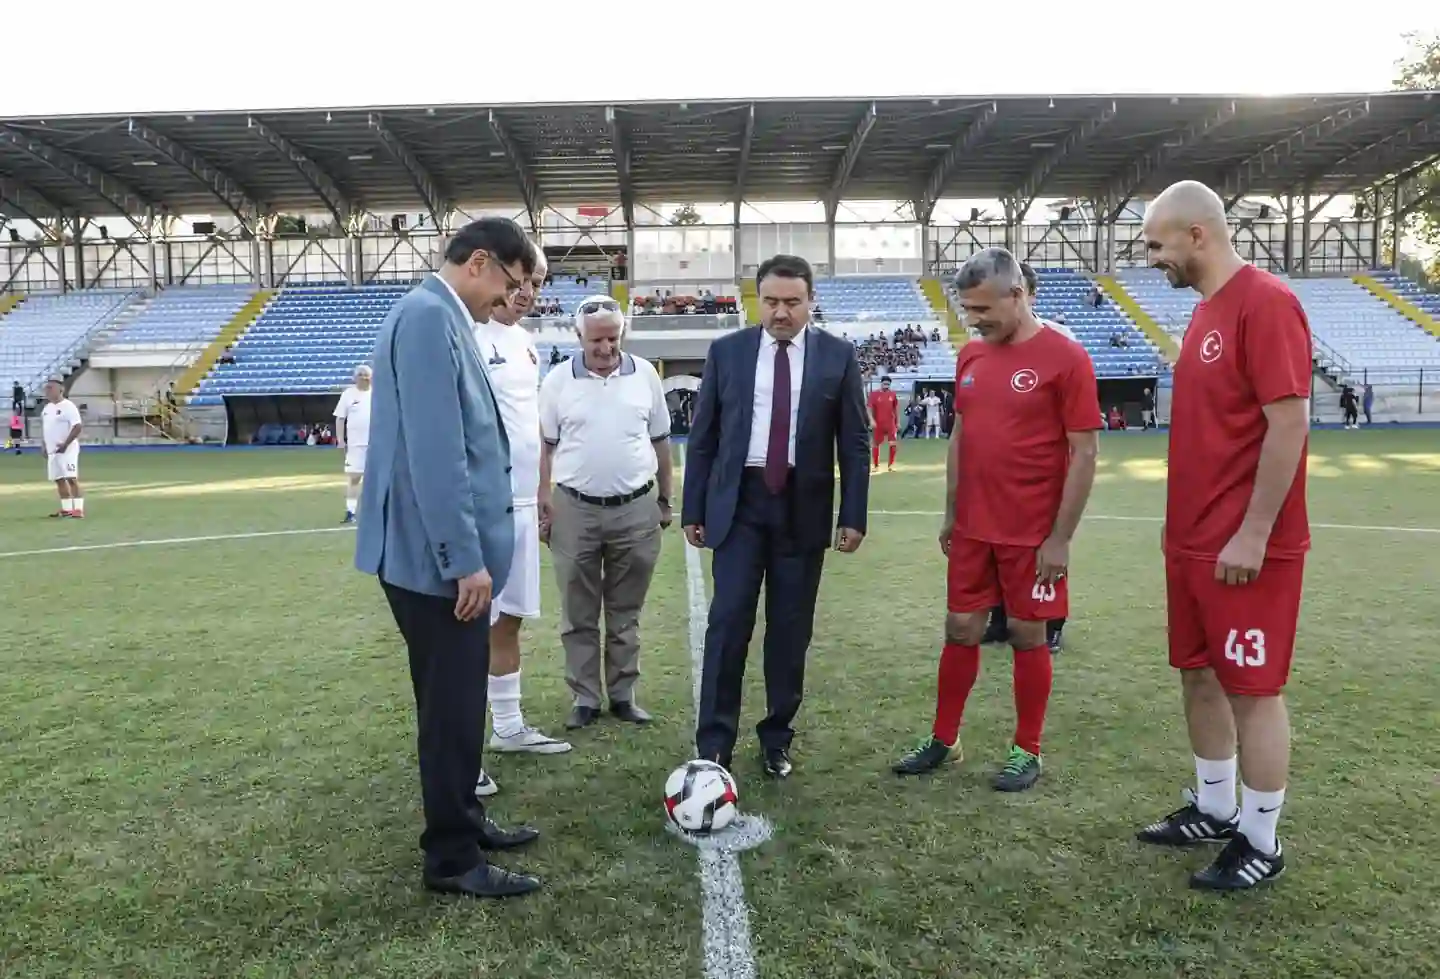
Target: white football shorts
(521,596)
(63,465)
(355,460)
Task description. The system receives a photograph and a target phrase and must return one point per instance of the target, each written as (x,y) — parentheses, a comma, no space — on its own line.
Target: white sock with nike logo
(1259,815)
(1215,787)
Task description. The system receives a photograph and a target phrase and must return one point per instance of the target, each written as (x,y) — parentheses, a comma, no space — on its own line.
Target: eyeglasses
(595,306)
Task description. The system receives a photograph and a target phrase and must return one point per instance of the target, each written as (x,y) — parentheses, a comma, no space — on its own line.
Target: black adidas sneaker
(1239,867)
(1188,826)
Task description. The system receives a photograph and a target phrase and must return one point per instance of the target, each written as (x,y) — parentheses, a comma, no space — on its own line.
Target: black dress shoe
(582,717)
(485,880)
(777,762)
(493,837)
(627,710)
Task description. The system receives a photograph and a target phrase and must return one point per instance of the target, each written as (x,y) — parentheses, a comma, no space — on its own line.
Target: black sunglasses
(593,307)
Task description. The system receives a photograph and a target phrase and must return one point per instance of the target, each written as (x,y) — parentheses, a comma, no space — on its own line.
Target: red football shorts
(1245,633)
(886,433)
(982,575)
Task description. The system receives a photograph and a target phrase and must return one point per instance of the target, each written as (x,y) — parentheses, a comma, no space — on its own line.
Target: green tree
(1420,69)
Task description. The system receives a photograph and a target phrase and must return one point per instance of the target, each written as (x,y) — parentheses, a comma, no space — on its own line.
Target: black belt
(620,500)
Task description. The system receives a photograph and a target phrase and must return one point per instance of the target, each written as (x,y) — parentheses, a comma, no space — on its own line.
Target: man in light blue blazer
(436,527)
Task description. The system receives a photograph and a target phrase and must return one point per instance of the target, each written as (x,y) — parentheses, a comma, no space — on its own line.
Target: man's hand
(947,531)
(848,540)
(1240,560)
(474,597)
(1052,561)
(695,534)
(667,515)
(546,514)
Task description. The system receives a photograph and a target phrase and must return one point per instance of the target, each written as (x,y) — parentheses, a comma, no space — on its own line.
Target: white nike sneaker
(486,786)
(527,739)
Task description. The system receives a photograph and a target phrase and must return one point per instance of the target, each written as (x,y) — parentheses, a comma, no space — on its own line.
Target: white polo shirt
(603,428)
(354,407)
(508,353)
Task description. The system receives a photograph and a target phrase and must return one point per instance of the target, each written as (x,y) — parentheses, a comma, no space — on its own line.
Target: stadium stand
(39,335)
(188,316)
(1381,346)
(1410,290)
(568,292)
(1374,341)
(307,341)
(857,298)
(1117,347)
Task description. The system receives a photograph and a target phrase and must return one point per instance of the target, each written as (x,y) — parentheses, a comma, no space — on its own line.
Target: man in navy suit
(437,528)
(778,403)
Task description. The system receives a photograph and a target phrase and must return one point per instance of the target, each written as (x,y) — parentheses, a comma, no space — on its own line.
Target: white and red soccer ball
(700,797)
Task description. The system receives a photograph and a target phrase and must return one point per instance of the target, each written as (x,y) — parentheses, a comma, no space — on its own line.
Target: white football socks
(350,504)
(1259,815)
(1215,787)
(505,705)
(67,505)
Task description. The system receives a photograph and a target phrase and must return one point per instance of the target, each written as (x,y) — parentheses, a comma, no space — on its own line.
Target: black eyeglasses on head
(596,305)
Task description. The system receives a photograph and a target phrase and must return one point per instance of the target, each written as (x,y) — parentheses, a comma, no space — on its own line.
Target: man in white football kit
(60,427)
(1032,287)
(508,352)
(932,404)
(352,434)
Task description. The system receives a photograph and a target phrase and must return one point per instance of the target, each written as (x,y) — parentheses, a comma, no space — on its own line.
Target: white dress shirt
(765,394)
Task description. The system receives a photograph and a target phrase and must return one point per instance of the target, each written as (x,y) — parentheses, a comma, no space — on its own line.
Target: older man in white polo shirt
(352,435)
(606,430)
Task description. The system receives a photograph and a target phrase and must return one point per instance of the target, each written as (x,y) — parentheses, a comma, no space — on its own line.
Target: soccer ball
(700,797)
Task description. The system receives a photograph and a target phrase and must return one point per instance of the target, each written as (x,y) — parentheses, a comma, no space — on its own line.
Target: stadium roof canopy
(385,159)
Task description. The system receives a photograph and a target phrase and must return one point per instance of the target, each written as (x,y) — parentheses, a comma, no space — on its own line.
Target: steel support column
(425,185)
(529,190)
(846,164)
(343,210)
(620,147)
(964,143)
(747,139)
(221,185)
(1124,185)
(1034,181)
(127,202)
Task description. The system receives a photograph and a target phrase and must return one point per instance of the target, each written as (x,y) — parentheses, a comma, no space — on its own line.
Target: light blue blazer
(436,503)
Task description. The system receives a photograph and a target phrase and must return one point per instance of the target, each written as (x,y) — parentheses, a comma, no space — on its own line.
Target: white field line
(167,541)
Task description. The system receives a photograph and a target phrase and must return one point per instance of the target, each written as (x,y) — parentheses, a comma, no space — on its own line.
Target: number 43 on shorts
(1247,648)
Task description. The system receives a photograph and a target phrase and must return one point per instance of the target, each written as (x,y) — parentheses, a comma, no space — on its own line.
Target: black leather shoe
(777,762)
(493,837)
(627,710)
(582,717)
(485,880)
(724,761)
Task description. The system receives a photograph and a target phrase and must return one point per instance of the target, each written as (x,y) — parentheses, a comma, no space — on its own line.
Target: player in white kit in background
(60,427)
(508,352)
(352,434)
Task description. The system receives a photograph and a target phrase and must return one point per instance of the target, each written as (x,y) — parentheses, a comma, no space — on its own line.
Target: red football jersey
(1015,404)
(885,406)
(1246,346)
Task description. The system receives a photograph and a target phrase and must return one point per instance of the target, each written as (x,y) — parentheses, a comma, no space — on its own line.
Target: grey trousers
(604,558)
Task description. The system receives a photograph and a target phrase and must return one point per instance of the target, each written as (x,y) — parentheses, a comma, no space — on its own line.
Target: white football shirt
(56,421)
(354,407)
(509,356)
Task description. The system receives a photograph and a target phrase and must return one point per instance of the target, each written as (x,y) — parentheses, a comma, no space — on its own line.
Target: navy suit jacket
(436,504)
(831,423)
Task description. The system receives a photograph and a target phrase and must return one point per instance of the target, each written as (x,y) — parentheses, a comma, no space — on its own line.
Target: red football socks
(875,455)
(892,455)
(959,666)
(1032,677)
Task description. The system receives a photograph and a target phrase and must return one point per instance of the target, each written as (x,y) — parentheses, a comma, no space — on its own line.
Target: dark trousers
(450,671)
(760,548)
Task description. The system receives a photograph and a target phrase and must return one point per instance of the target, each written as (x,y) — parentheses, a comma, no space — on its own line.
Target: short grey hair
(617,314)
(363,370)
(987,265)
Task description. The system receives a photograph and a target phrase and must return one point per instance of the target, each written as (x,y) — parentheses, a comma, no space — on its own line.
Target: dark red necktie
(777,454)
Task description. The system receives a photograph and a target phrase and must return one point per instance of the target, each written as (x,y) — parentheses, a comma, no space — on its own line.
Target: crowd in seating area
(670,304)
(880,354)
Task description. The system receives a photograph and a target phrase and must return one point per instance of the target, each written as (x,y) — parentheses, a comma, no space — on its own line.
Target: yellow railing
(935,292)
(1402,305)
(750,302)
(9,302)
(620,292)
(231,332)
(1163,341)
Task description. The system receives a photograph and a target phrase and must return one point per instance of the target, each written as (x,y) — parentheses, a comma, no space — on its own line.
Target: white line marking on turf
(724,915)
(160,541)
(1375,528)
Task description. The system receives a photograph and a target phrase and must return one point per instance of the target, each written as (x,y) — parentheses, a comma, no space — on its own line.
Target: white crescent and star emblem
(1211,347)
(1024,380)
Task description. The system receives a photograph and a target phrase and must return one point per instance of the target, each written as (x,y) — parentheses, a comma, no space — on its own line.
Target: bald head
(1187,237)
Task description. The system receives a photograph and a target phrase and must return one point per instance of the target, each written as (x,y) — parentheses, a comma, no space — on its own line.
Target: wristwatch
(662,500)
